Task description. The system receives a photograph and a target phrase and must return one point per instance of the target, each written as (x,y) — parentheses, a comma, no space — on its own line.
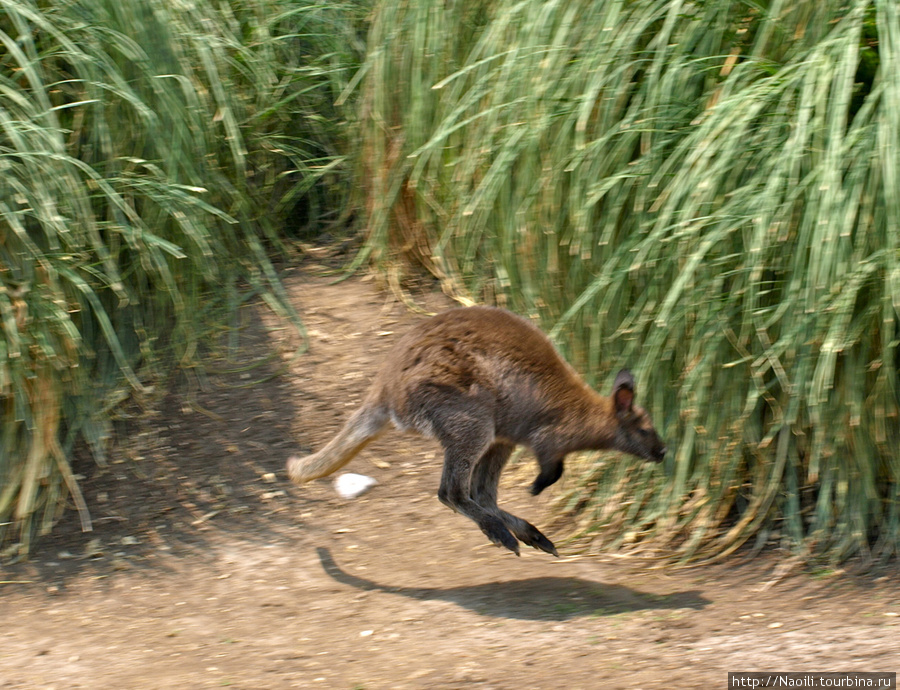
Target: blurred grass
(151,155)
(704,191)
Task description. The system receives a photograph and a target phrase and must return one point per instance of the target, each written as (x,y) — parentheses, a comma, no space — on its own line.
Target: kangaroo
(482,380)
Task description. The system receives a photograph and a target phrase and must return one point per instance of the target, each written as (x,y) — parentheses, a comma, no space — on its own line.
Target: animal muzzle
(658,454)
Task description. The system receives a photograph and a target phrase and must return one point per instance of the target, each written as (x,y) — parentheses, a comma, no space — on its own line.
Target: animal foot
(529,534)
(501,536)
(539,541)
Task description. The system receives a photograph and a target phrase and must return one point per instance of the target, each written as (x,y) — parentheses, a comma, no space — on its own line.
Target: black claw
(546,545)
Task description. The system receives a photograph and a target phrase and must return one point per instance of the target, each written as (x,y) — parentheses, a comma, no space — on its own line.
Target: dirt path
(208,569)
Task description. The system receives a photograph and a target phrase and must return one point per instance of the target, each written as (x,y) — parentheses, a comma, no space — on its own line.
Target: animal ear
(623,391)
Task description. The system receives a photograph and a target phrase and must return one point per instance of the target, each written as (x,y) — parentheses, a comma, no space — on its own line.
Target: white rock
(351,485)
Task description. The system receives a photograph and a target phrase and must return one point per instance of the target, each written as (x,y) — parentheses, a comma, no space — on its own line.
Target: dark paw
(539,541)
(528,534)
(550,474)
(501,536)
(540,484)
(532,536)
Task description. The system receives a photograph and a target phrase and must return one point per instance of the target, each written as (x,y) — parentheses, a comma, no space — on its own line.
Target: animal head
(634,433)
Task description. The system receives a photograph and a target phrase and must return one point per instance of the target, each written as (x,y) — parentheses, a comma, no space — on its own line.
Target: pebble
(351,485)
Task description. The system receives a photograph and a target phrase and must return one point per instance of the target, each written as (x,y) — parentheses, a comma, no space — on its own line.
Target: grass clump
(704,191)
(148,153)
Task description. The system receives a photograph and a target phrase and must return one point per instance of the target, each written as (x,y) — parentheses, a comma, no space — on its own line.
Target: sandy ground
(207,568)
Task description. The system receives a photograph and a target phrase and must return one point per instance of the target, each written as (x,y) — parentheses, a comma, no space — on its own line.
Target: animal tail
(364,425)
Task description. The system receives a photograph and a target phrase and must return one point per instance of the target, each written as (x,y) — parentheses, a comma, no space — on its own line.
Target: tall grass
(705,191)
(149,155)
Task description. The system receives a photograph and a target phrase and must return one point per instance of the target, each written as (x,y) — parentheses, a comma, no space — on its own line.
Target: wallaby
(481,380)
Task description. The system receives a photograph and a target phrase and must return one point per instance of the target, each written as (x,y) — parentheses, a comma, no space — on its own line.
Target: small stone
(94,549)
(351,485)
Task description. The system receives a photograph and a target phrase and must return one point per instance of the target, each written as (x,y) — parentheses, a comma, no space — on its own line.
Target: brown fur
(482,380)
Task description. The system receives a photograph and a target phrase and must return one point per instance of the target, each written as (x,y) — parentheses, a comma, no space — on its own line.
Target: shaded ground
(208,569)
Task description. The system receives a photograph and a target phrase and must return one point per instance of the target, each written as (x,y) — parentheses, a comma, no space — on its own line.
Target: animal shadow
(538,598)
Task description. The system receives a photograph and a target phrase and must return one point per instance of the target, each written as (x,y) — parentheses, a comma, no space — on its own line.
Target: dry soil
(207,568)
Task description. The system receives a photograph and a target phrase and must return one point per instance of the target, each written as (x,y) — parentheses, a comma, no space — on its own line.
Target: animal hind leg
(454,493)
(485,480)
(486,474)
(462,424)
